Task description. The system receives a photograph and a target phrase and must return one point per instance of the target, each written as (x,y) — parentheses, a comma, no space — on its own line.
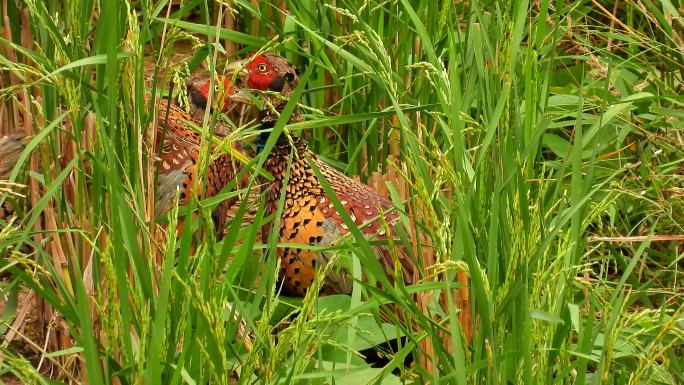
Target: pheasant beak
(240,96)
(238,71)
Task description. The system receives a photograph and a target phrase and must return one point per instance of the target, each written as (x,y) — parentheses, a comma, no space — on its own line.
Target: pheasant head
(199,92)
(271,74)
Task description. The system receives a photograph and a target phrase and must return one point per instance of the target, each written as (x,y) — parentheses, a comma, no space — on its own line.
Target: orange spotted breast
(310,218)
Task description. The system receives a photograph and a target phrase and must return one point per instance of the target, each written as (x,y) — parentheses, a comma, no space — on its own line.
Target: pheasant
(178,147)
(309,216)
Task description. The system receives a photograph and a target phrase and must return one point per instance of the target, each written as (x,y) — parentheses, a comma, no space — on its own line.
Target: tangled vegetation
(535,147)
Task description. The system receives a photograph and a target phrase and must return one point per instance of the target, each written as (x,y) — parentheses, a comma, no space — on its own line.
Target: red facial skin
(261,73)
(220,93)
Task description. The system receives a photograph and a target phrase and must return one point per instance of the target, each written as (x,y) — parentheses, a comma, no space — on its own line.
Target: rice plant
(534,151)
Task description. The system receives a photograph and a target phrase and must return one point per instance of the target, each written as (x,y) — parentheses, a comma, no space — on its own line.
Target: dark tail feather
(5,211)
(10,148)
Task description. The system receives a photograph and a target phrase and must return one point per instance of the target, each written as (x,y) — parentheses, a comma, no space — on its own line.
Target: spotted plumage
(309,216)
(11,147)
(177,153)
(179,145)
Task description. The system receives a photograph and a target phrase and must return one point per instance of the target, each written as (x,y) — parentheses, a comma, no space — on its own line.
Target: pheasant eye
(216,87)
(261,67)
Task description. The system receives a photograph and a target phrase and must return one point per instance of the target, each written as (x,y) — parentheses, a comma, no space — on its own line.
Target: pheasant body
(179,161)
(178,146)
(310,218)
